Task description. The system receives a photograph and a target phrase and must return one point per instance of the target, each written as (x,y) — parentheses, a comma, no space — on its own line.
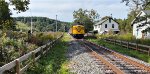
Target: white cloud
(65,8)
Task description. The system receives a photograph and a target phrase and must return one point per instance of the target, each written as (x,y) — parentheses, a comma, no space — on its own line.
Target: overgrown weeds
(55,62)
(14,44)
(125,37)
(129,52)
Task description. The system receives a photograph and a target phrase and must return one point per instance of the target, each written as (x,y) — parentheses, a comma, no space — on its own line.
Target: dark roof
(104,20)
(78,23)
(147,12)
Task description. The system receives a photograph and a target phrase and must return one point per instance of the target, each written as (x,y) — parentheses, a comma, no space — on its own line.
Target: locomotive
(77,31)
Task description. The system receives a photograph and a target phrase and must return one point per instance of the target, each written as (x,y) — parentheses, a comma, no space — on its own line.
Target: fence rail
(34,54)
(135,46)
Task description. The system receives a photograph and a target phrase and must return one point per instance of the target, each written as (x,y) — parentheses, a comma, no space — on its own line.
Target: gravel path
(81,62)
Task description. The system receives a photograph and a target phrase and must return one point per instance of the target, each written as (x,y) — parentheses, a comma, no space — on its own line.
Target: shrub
(40,38)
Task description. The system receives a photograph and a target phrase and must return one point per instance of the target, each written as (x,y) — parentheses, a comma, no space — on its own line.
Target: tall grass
(129,52)
(55,62)
(14,44)
(125,37)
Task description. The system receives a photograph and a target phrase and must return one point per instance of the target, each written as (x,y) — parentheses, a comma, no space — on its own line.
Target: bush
(41,38)
(14,44)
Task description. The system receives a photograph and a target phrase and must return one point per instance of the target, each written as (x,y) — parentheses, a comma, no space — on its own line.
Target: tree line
(43,23)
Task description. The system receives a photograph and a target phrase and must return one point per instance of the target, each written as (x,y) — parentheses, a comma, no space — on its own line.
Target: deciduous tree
(86,17)
(6,22)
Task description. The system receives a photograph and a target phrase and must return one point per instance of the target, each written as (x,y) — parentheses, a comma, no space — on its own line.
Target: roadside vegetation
(55,62)
(125,37)
(15,44)
(129,52)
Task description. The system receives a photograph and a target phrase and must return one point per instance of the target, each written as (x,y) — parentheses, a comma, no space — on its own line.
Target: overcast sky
(65,8)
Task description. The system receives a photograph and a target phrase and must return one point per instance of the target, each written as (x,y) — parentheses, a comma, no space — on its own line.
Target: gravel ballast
(81,62)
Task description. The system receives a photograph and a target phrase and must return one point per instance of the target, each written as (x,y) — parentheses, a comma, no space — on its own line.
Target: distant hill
(42,23)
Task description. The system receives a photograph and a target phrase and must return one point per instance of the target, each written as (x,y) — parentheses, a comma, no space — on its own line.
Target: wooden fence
(34,55)
(135,46)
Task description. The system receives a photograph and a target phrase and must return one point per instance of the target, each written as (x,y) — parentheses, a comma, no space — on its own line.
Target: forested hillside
(43,23)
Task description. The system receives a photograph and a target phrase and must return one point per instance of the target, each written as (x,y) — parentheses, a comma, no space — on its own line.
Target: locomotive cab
(77,31)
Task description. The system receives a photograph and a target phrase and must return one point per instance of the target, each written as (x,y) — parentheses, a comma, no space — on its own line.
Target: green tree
(137,6)
(6,22)
(86,17)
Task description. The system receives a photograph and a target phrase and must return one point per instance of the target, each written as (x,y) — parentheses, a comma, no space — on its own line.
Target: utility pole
(31,25)
(56,23)
(31,22)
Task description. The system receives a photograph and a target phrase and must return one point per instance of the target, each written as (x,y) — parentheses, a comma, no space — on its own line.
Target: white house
(106,25)
(139,27)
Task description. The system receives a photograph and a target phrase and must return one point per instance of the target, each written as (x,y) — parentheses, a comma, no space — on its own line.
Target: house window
(145,34)
(105,25)
(98,26)
(112,25)
(137,31)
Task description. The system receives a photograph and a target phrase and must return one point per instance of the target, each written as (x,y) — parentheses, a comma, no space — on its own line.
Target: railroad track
(114,63)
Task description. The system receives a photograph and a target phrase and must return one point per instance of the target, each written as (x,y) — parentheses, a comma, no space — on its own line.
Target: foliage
(125,37)
(40,38)
(22,27)
(136,6)
(5,19)
(129,52)
(12,48)
(14,44)
(55,62)
(125,24)
(102,36)
(6,22)
(20,5)
(85,17)
(43,24)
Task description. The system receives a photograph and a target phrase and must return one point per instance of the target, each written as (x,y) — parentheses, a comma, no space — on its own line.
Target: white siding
(101,27)
(137,31)
(109,26)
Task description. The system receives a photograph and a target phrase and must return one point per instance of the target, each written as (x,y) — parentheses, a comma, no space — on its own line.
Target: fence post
(121,42)
(33,57)
(149,52)
(50,45)
(53,42)
(114,41)
(136,46)
(17,66)
(46,48)
(128,45)
(111,41)
(41,51)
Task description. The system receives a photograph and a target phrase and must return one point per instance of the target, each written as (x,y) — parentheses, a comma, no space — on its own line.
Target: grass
(55,62)
(125,37)
(129,52)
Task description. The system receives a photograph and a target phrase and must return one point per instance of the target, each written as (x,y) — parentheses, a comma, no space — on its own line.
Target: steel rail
(124,58)
(98,56)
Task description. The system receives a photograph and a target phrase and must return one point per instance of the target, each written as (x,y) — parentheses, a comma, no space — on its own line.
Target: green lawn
(117,48)
(55,62)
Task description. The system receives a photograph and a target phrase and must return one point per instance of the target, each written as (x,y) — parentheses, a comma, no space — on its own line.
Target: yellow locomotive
(77,31)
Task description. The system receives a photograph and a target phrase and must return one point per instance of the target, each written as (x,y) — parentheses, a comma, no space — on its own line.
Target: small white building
(139,27)
(106,25)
